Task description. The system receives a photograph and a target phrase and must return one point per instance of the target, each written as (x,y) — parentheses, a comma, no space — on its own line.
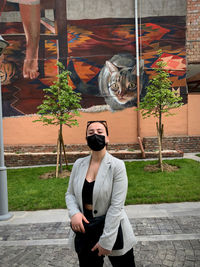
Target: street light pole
(4,214)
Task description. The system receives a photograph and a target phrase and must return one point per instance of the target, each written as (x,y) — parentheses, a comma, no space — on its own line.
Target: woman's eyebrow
(98,129)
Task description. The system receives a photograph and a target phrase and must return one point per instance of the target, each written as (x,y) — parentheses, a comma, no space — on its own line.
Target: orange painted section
(175,125)
(21,130)
(122,126)
(194,114)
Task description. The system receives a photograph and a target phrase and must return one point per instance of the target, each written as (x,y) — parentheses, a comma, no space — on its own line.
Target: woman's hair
(102,122)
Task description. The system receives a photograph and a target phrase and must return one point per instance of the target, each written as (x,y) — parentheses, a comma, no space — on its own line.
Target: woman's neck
(98,155)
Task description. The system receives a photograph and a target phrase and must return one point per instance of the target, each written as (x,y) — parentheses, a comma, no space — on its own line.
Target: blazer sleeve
(114,213)
(70,197)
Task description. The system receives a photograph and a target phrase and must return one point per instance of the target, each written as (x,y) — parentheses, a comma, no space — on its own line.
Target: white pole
(4,214)
(136,39)
(138,79)
(137,68)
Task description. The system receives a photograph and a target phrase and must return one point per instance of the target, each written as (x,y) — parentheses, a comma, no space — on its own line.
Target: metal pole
(4,214)
(138,79)
(136,39)
(137,67)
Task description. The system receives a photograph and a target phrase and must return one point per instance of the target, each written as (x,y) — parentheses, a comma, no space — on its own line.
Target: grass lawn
(27,192)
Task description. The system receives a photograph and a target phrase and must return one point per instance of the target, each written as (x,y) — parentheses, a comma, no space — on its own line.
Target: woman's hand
(102,251)
(77,222)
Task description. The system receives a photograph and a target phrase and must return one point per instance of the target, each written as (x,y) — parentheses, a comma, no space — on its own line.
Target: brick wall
(18,149)
(45,154)
(193,31)
(35,159)
(182,143)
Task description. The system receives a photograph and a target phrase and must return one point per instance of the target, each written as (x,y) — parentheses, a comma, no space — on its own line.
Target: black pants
(91,259)
(124,260)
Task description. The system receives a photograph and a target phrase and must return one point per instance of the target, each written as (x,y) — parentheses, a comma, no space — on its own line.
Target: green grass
(27,192)
(177,186)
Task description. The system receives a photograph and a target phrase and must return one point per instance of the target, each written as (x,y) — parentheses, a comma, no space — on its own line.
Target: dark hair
(102,122)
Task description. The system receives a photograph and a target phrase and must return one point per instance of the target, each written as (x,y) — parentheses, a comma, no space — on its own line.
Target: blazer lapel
(102,172)
(81,179)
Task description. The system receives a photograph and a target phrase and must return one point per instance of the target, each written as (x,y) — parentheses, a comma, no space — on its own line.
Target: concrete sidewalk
(168,235)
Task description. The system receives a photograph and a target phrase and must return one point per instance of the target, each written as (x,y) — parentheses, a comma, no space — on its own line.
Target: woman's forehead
(96,125)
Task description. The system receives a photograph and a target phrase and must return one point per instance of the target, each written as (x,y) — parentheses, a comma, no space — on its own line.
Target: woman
(97,187)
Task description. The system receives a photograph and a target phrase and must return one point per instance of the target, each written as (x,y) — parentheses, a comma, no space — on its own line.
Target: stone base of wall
(46,154)
(183,143)
(69,148)
(34,159)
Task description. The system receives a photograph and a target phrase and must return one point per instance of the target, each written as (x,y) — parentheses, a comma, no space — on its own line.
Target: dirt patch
(52,174)
(166,167)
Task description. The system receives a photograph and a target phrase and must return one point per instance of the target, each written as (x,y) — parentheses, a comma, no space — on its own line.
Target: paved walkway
(168,235)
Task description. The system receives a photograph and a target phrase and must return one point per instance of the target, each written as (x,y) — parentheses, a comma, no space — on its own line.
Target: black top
(87,192)
(87,198)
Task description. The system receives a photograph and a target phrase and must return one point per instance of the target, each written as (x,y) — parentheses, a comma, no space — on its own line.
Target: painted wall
(97,44)
(193,111)
(89,9)
(122,127)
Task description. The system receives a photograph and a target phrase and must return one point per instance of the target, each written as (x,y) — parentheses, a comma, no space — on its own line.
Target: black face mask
(96,142)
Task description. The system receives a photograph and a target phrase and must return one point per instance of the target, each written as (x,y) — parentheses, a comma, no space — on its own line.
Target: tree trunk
(160,148)
(58,154)
(65,156)
(160,136)
(60,143)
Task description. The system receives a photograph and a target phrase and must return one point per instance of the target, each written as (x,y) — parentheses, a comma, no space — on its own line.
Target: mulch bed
(52,174)
(148,168)
(166,167)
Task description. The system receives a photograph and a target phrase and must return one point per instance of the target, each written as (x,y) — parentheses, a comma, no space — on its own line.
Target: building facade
(96,41)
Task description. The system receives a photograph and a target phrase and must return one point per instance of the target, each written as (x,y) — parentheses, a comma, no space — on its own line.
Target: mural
(100,53)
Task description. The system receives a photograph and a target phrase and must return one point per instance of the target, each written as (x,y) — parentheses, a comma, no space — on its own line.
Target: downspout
(138,80)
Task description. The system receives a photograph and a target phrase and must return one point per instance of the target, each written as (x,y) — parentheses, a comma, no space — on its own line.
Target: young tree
(60,106)
(159,100)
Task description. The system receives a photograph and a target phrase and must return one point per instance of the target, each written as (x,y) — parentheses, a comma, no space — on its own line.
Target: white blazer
(109,194)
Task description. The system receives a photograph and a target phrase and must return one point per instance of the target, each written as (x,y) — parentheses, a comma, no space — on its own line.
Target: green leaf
(60,102)
(159,97)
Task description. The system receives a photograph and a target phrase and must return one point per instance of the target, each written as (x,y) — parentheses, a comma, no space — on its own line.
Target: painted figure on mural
(100,54)
(118,81)
(30,14)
